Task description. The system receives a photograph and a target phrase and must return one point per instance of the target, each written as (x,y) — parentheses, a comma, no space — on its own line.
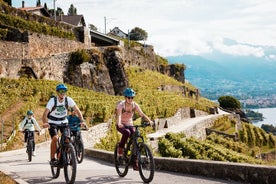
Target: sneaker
(135,165)
(120,151)
(34,153)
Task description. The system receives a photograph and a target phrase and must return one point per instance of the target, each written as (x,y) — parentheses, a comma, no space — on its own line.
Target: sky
(185,27)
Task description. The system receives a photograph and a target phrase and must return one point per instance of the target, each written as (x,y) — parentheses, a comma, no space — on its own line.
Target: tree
(92,27)
(59,12)
(38,3)
(45,6)
(138,34)
(72,10)
(8,1)
(229,102)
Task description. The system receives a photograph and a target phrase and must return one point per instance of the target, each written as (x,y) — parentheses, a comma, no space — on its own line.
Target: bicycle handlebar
(143,125)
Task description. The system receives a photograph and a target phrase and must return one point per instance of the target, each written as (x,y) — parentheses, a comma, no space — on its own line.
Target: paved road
(15,164)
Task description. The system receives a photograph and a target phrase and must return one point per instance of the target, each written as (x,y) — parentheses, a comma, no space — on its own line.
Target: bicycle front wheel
(79,150)
(70,164)
(121,163)
(55,171)
(30,150)
(145,163)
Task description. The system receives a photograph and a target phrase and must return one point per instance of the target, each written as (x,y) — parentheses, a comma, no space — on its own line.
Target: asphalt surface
(15,164)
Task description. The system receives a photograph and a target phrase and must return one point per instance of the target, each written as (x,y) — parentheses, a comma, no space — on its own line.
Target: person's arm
(77,110)
(21,125)
(119,117)
(45,119)
(142,114)
(36,125)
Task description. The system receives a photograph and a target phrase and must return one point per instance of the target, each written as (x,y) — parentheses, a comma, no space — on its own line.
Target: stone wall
(39,46)
(241,172)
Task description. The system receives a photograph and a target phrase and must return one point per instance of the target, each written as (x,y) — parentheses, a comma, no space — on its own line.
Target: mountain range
(250,79)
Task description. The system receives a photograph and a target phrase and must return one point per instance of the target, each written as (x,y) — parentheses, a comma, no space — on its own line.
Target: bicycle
(136,148)
(77,142)
(66,157)
(30,143)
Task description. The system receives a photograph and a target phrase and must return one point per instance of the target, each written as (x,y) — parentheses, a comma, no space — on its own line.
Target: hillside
(247,78)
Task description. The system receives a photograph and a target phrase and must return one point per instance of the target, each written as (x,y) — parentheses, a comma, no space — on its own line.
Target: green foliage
(72,10)
(22,20)
(79,57)
(3,33)
(162,61)
(252,115)
(229,102)
(138,34)
(213,148)
(269,128)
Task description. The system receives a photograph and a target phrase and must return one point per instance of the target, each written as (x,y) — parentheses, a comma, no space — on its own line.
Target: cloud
(237,49)
(186,26)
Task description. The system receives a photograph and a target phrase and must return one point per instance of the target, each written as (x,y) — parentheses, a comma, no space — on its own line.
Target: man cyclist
(124,116)
(55,114)
(30,123)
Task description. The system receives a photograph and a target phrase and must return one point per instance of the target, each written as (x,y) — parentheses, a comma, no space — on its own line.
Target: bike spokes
(145,163)
(70,165)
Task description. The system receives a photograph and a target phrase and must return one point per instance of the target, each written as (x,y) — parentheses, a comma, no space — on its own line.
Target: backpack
(55,103)
(54,107)
(27,122)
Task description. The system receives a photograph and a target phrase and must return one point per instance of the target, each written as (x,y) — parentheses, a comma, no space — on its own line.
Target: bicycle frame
(66,157)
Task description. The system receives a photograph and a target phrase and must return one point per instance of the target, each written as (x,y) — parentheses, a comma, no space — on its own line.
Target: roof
(75,20)
(100,39)
(40,9)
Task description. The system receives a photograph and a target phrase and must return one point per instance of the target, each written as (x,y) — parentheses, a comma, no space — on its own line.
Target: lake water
(269,115)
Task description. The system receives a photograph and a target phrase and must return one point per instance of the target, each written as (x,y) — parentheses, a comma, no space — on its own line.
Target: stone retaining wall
(240,172)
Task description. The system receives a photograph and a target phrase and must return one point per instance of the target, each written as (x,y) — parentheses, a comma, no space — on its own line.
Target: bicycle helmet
(29,112)
(61,87)
(128,92)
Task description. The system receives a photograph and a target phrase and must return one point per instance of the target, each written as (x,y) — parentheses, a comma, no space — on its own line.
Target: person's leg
(125,135)
(54,138)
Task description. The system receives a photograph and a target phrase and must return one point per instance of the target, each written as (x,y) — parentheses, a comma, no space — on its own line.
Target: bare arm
(45,119)
(77,110)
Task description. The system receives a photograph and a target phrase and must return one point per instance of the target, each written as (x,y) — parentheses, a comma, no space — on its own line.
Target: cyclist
(55,114)
(75,123)
(30,123)
(124,116)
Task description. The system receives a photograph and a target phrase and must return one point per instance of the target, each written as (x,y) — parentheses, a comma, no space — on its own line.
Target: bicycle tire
(70,164)
(30,150)
(55,171)
(79,150)
(121,163)
(146,163)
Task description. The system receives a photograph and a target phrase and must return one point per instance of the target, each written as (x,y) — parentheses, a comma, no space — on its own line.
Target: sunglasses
(129,97)
(61,91)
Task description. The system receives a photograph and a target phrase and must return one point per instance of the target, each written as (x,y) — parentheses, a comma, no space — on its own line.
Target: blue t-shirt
(74,123)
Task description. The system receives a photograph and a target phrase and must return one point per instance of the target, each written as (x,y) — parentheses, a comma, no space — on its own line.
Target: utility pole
(104,25)
(55,10)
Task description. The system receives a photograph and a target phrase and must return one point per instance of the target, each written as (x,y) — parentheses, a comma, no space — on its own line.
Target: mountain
(247,78)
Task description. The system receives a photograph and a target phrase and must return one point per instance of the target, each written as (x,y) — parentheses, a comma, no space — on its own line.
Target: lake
(269,115)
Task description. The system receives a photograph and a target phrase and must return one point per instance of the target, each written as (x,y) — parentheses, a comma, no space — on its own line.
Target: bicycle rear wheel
(30,150)
(145,163)
(121,163)
(70,164)
(79,150)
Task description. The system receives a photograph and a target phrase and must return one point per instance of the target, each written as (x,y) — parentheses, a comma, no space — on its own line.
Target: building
(118,32)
